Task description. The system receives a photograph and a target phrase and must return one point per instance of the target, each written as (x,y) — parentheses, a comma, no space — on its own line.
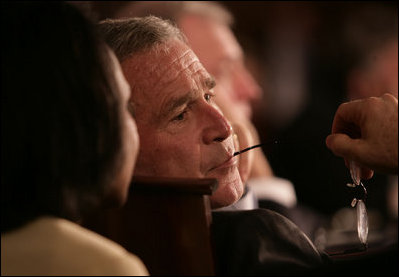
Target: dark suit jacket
(261,242)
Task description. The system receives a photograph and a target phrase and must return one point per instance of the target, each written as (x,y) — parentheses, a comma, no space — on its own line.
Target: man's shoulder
(260,241)
(261,216)
(261,225)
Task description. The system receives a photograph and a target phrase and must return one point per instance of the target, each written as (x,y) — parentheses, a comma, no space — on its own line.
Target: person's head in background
(207,26)
(68,141)
(370,40)
(182,131)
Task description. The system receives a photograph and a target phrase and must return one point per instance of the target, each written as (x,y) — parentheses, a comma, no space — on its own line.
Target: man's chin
(227,193)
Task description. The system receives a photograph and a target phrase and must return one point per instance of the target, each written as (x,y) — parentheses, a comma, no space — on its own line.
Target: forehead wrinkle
(147,75)
(198,76)
(136,62)
(168,67)
(187,52)
(143,81)
(175,102)
(153,77)
(169,78)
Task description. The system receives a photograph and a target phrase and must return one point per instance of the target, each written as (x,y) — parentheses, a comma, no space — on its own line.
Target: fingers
(347,118)
(346,147)
(341,145)
(389,98)
(366,173)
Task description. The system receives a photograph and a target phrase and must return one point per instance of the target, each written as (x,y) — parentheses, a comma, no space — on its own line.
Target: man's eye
(208,97)
(180,117)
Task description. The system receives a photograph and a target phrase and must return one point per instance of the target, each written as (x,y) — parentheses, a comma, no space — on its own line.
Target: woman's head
(67,137)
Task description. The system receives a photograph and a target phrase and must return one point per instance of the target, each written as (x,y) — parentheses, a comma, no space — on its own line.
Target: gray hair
(173,10)
(128,36)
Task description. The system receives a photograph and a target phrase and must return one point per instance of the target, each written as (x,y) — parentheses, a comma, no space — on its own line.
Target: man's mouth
(229,162)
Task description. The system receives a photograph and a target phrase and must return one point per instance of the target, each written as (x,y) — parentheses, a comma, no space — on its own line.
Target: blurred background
(309,57)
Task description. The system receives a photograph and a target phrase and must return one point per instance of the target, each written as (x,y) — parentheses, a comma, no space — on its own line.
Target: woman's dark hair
(60,113)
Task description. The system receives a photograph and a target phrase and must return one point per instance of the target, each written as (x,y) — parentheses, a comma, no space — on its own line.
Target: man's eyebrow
(210,82)
(176,102)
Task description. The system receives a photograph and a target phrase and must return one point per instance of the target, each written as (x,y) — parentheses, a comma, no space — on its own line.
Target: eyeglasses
(359,203)
(246,149)
(273,141)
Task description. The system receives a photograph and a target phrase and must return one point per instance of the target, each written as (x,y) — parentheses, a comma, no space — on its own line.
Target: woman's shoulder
(52,245)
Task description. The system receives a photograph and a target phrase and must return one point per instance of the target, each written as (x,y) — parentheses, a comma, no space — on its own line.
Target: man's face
(219,52)
(182,132)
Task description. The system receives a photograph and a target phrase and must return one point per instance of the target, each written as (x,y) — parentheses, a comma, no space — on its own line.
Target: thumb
(341,145)
(348,148)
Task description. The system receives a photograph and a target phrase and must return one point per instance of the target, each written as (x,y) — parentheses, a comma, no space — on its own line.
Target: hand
(366,131)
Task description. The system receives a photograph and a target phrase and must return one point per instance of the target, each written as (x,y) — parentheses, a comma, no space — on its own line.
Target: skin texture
(182,131)
(118,190)
(236,89)
(366,131)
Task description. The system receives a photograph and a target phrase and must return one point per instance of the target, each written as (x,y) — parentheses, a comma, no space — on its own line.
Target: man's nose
(217,128)
(245,85)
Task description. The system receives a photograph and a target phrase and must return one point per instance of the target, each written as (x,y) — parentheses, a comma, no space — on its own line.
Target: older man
(223,58)
(184,134)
